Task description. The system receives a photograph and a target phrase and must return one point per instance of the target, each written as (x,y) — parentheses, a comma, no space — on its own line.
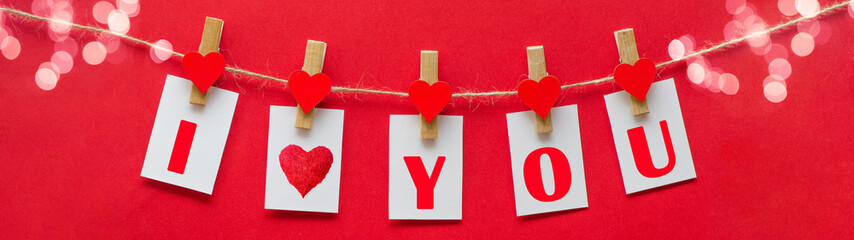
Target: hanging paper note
(653,148)
(425,177)
(304,166)
(548,169)
(187,140)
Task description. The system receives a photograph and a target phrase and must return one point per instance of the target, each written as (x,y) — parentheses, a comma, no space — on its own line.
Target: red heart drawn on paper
(636,79)
(305,170)
(540,96)
(203,71)
(429,99)
(309,90)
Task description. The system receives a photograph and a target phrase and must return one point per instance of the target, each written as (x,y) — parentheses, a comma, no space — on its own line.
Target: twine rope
(239,71)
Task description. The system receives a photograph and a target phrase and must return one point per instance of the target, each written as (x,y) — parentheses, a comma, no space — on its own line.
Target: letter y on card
(425,176)
(548,169)
(304,165)
(187,140)
(652,148)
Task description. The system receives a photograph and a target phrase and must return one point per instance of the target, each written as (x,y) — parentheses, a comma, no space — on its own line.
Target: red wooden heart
(309,90)
(305,170)
(636,79)
(429,99)
(540,96)
(203,71)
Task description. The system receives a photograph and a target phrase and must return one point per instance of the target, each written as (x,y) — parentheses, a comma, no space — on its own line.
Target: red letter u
(643,159)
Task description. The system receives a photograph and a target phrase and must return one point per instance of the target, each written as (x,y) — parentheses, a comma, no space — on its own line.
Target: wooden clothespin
(210,43)
(429,74)
(315,52)
(536,72)
(629,54)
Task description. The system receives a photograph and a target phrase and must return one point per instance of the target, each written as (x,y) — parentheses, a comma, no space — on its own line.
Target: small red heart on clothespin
(429,99)
(304,170)
(540,96)
(309,90)
(203,71)
(636,79)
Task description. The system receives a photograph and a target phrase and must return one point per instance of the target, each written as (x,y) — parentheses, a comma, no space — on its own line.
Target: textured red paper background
(72,156)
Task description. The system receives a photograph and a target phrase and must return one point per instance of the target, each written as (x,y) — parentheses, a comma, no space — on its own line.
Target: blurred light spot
(63,60)
(51,66)
(46,79)
(775,92)
(824,36)
(118,22)
(802,44)
(3,34)
(10,47)
(776,51)
(748,11)
(807,8)
(162,52)
(728,84)
(696,73)
(787,7)
(68,45)
(735,6)
(851,9)
(101,11)
(780,67)
(773,78)
(732,29)
(757,35)
(94,53)
(811,26)
(762,50)
(41,8)
(676,49)
(60,24)
(711,81)
(131,7)
(118,56)
(688,41)
(111,42)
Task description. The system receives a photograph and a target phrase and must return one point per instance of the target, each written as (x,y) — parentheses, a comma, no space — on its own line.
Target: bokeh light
(46,79)
(101,11)
(732,29)
(711,80)
(776,51)
(131,7)
(69,45)
(787,7)
(676,49)
(807,8)
(728,84)
(802,44)
(696,73)
(688,41)
(162,52)
(10,47)
(94,53)
(118,22)
(63,60)
(112,43)
(810,26)
(773,78)
(735,6)
(780,67)
(51,66)
(775,92)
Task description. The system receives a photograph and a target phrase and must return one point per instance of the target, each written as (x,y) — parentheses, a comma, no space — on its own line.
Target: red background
(72,156)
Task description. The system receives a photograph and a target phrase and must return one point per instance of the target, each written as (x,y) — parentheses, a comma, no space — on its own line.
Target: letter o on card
(534,180)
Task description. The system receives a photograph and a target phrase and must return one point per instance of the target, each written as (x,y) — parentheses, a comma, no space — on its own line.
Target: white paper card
(440,201)
(650,162)
(548,169)
(305,167)
(187,140)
